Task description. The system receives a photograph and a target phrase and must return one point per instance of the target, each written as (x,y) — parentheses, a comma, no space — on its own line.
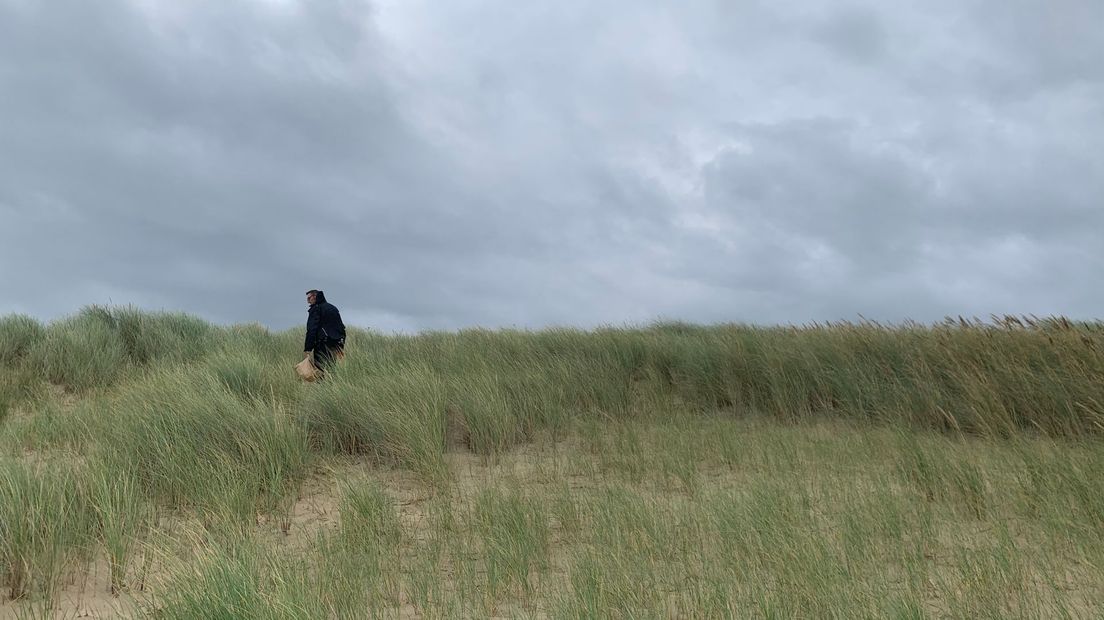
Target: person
(325,331)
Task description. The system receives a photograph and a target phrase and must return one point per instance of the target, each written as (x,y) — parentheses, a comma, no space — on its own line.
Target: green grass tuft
(44,526)
(191,442)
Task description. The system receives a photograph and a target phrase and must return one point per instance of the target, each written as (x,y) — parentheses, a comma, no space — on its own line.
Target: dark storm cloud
(492,163)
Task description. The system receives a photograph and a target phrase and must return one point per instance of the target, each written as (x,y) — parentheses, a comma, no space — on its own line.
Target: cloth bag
(306,370)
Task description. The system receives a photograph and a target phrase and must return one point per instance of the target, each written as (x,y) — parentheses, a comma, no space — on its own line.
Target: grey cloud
(854,32)
(862,222)
(491,163)
(1043,45)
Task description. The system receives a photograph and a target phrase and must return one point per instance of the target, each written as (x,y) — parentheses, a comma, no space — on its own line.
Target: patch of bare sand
(316,509)
(84,593)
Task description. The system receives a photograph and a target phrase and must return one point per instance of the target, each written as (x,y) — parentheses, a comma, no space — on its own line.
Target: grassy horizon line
(993,320)
(996,378)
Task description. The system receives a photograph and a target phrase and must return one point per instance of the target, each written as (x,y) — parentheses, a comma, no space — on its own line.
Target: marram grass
(506,386)
(818,471)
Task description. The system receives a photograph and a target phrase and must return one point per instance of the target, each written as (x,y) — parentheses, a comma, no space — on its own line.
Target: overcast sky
(569,162)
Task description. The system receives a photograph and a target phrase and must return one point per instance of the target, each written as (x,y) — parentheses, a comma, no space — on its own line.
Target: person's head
(312,296)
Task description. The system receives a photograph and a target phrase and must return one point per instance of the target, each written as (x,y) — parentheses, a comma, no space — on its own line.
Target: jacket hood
(319,297)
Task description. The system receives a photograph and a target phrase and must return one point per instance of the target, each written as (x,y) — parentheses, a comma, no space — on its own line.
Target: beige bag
(306,369)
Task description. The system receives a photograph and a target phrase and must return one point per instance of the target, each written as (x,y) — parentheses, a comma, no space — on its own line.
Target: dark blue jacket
(324,326)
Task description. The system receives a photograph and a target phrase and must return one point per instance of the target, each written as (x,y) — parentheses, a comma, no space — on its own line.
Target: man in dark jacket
(325,331)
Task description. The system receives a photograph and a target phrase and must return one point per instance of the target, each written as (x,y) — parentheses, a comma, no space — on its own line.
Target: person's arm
(341,324)
(312,330)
